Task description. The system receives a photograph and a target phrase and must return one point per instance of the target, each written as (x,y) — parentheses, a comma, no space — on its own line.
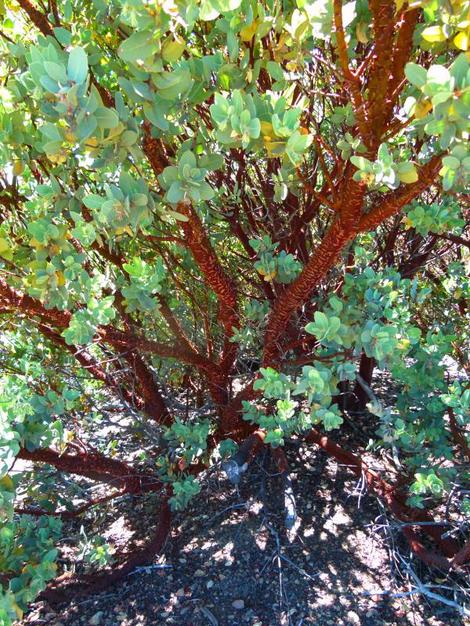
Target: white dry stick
(146,569)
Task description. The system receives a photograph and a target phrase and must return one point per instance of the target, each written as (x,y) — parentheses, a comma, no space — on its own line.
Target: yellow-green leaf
(461,40)
(4,245)
(434,34)
(407,173)
(172,49)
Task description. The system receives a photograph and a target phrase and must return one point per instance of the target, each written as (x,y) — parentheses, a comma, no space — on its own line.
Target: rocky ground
(231,562)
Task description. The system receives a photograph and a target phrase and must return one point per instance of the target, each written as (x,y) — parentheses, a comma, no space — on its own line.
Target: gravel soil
(230,561)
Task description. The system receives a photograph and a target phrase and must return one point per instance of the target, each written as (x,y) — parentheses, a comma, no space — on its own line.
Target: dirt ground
(230,560)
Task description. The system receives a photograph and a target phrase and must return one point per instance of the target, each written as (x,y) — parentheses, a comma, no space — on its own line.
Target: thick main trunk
(298,292)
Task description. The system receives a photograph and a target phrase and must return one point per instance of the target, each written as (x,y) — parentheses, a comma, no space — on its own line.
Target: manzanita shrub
(218,217)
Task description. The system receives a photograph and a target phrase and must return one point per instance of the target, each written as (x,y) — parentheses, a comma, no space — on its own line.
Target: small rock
(209,584)
(238,604)
(34,615)
(96,618)
(353,617)
(199,573)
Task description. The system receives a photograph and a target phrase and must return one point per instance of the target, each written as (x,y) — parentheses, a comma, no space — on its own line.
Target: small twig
(146,569)
(424,590)
(299,569)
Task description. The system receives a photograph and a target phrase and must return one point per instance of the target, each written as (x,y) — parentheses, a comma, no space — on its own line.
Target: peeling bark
(153,150)
(395,201)
(341,232)
(214,276)
(224,288)
(95,466)
(383,12)
(38,18)
(401,55)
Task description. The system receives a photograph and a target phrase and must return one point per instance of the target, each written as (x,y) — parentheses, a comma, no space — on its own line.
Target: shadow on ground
(231,562)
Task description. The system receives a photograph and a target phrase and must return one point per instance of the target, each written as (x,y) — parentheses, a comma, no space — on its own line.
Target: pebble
(353,617)
(96,618)
(209,584)
(48,616)
(199,573)
(238,604)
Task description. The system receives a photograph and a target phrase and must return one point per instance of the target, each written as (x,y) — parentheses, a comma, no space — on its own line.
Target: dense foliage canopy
(217,218)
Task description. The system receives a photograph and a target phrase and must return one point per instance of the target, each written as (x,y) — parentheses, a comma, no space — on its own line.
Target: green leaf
(384,155)
(416,74)
(155,116)
(77,67)
(51,132)
(407,172)
(451,162)
(274,437)
(63,36)
(331,420)
(138,47)
(187,160)
(362,163)
(439,75)
(93,201)
(296,145)
(106,118)
(49,84)
(175,193)
(226,5)
(319,328)
(56,71)
(208,11)
(172,49)
(275,70)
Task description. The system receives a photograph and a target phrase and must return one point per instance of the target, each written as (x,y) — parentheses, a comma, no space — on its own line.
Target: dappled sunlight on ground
(230,561)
